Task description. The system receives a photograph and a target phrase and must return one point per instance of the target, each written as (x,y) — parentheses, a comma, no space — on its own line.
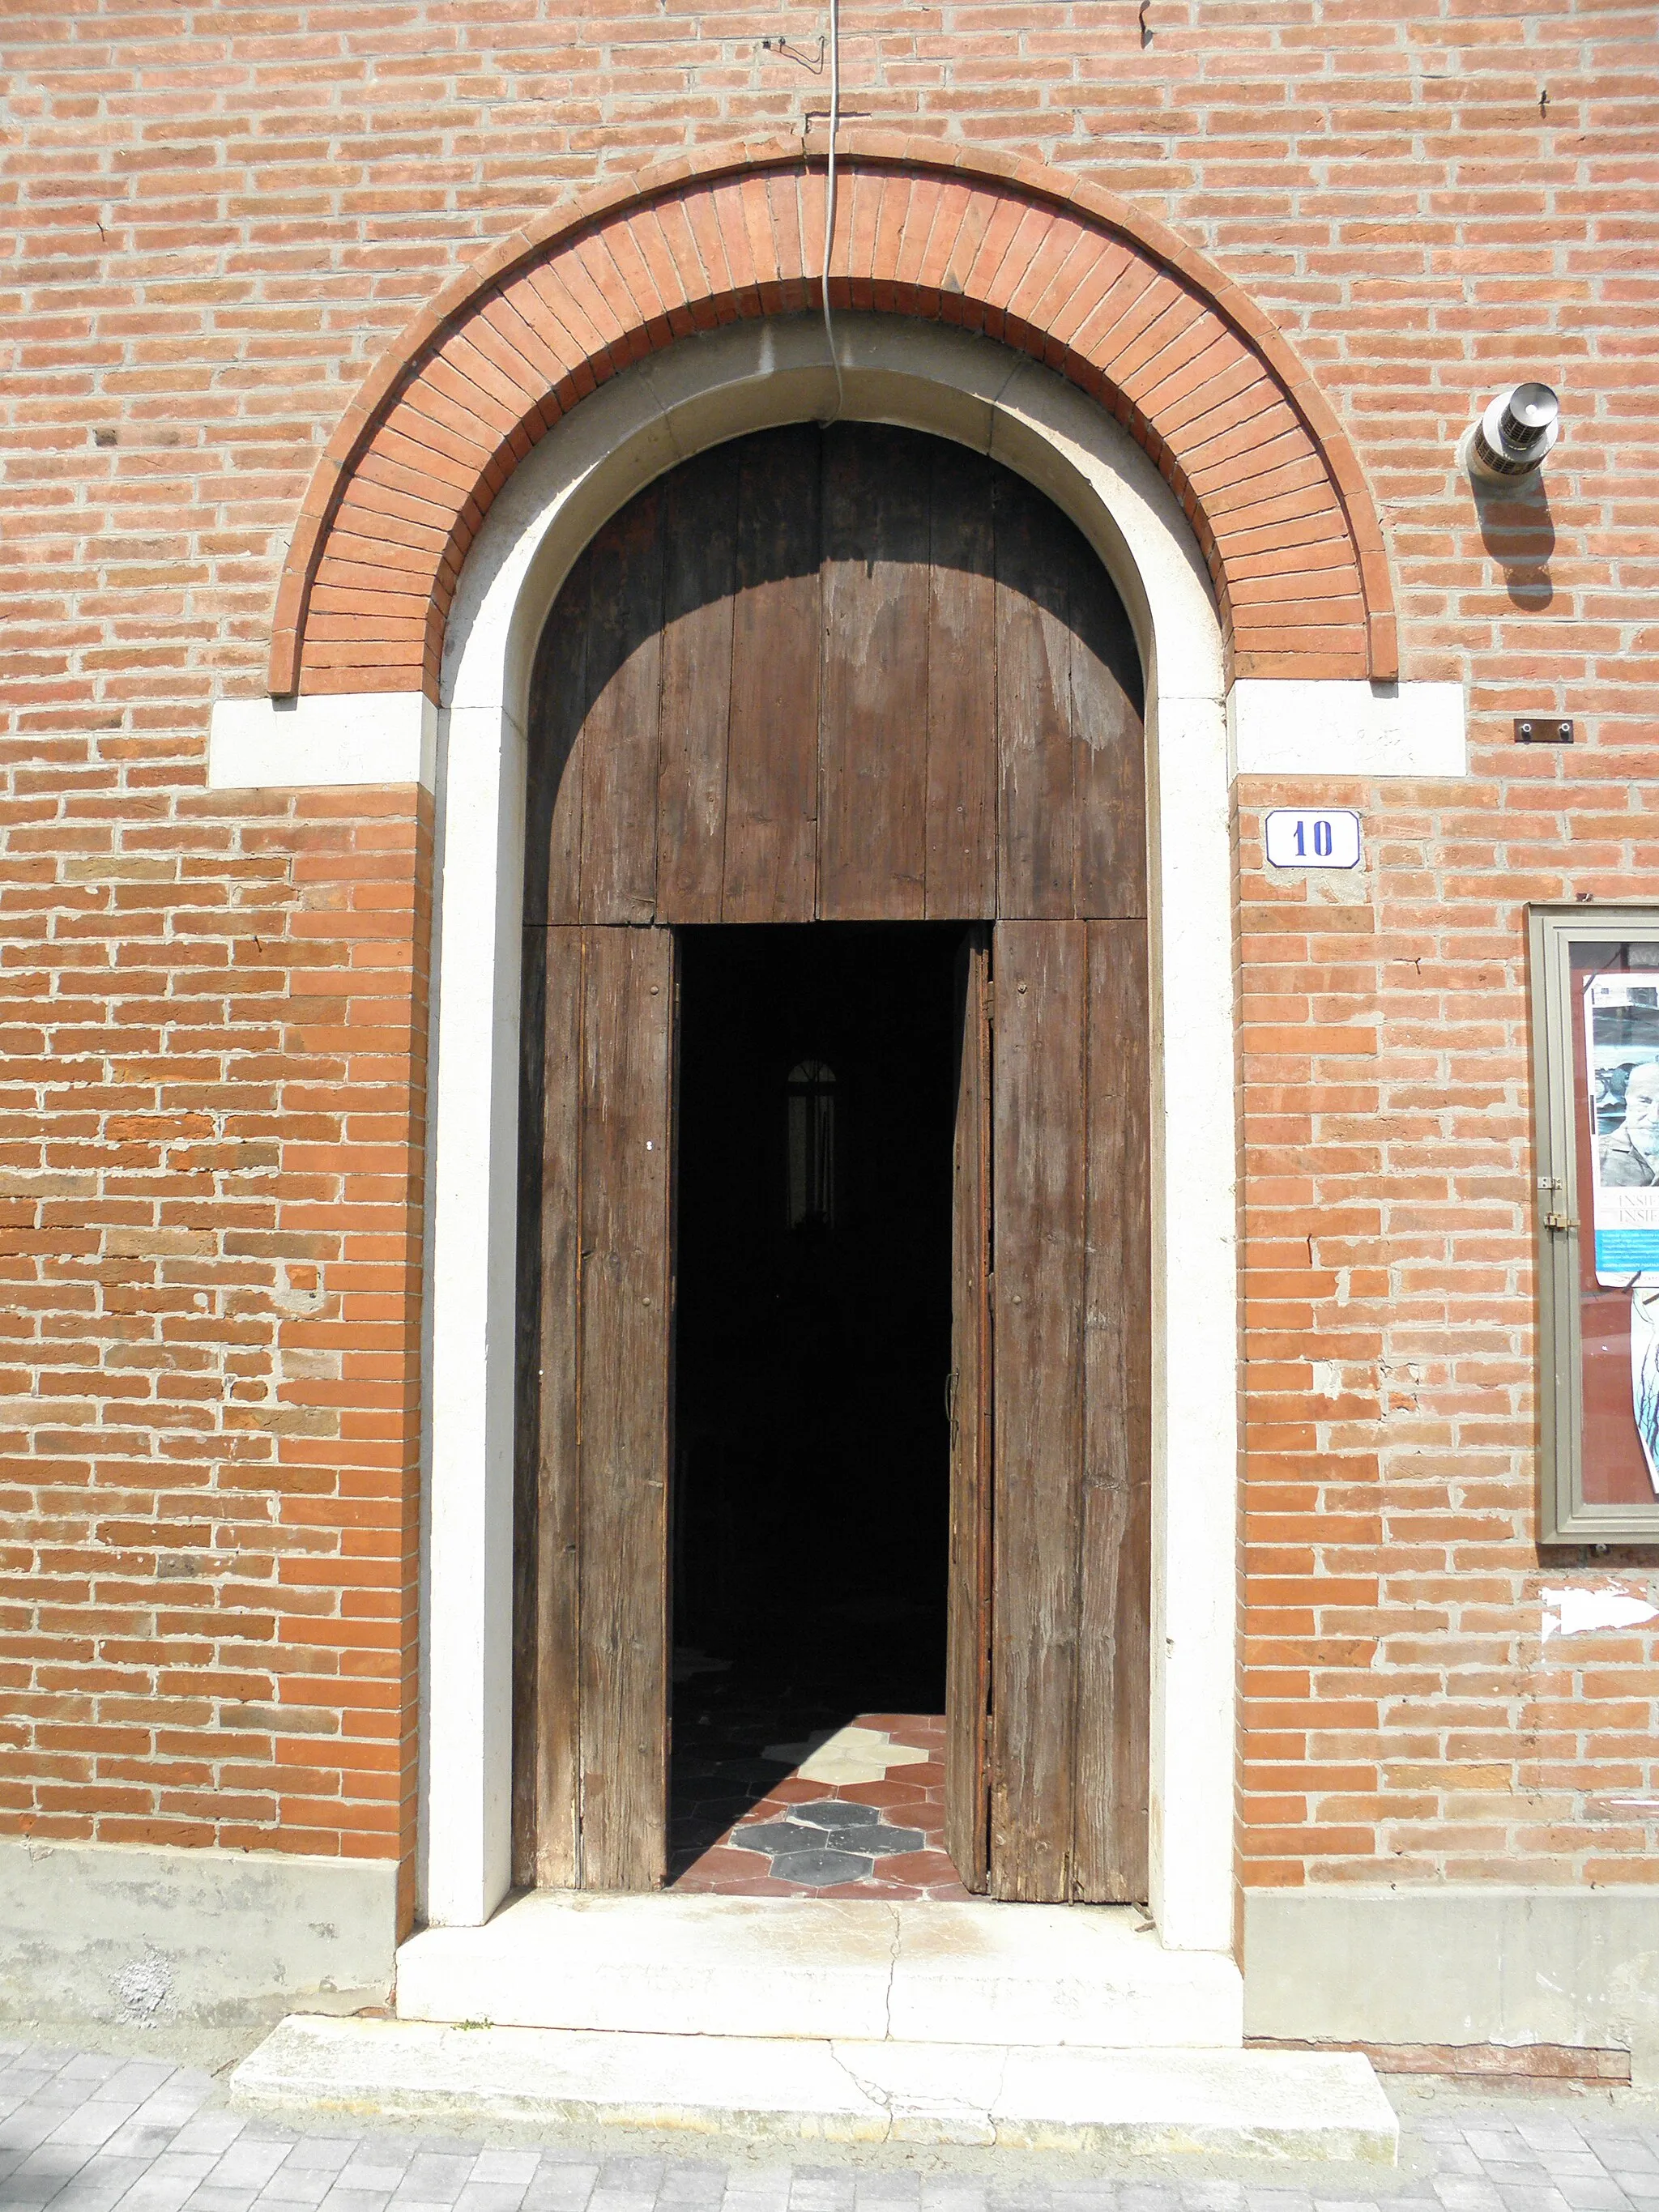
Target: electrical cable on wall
(829,197)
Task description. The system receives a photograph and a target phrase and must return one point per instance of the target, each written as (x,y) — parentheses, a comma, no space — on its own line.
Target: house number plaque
(1312,837)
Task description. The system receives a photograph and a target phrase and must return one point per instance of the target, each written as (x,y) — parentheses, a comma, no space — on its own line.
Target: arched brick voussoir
(1044,264)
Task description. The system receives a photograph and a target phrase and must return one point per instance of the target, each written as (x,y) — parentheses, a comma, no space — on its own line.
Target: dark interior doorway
(811,1512)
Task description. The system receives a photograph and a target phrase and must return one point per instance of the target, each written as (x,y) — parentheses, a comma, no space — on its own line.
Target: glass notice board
(1596,1065)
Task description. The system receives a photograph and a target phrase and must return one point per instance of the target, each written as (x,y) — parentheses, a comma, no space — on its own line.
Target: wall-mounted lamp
(1514,434)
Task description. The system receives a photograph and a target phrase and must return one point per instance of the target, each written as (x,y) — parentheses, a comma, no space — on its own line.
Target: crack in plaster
(957,2114)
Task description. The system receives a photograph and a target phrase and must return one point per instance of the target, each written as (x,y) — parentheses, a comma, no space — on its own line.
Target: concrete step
(1236,2103)
(682,1964)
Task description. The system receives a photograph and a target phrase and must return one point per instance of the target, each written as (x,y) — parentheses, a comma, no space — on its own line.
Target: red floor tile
(911,1799)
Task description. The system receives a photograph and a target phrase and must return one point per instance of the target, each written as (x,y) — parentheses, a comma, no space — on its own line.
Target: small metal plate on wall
(1542,730)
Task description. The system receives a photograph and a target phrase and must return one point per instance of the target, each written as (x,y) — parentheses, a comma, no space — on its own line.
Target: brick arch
(1069,274)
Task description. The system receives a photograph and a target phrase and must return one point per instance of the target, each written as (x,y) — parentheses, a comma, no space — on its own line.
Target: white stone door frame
(747,377)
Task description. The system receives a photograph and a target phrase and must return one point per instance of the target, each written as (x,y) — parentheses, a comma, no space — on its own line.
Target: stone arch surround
(748,375)
(1054,269)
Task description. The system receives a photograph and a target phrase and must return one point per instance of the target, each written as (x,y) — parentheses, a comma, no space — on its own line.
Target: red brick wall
(1407,1720)
(212,1011)
(214,1041)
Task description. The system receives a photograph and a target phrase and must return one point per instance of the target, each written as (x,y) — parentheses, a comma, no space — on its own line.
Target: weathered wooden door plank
(1112,1726)
(527,1409)
(961,696)
(700,551)
(1039,1171)
(559,705)
(777,649)
(627,1008)
(619,738)
(556,1851)
(1037,841)
(968,1657)
(1110,747)
(872,760)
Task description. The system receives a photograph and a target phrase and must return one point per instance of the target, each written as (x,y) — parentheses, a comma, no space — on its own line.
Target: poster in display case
(1595,1063)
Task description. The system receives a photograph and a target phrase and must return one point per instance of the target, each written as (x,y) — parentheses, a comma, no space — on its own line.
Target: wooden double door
(818,677)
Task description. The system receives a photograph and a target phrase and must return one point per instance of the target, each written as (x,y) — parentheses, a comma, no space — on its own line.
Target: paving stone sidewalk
(84,2131)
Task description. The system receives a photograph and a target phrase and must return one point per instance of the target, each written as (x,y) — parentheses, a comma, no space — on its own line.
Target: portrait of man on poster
(1628,1156)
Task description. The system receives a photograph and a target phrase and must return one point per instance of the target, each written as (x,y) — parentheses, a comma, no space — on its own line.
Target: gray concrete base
(1238,2103)
(137,1933)
(1458,1964)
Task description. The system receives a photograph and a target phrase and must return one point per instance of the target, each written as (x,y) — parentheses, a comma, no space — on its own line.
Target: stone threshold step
(1266,2103)
(669,1963)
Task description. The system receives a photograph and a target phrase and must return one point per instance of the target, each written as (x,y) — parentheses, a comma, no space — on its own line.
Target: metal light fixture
(1514,434)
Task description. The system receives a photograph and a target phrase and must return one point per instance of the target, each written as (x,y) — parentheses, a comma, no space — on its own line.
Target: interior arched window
(811,1145)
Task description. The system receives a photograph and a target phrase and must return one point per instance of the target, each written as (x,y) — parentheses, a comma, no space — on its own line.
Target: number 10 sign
(1312,837)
